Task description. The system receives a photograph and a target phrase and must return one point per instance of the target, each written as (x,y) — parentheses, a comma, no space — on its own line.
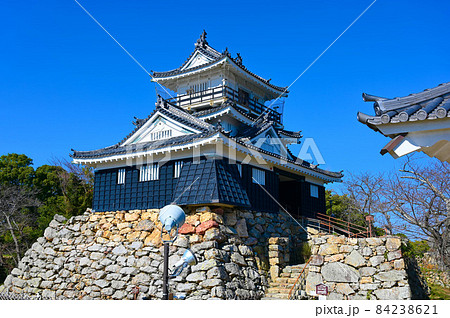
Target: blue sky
(65,84)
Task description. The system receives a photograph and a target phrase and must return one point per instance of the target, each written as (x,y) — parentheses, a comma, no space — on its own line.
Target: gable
(270,141)
(196,60)
(159,128)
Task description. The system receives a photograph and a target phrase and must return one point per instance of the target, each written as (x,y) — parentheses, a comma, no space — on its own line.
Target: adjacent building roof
(417,122)
(432,103)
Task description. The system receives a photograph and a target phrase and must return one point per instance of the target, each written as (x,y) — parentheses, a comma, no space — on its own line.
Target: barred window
(258,176)
(148,173)
(121,176)
(239,167)
(314,191)
(177,169)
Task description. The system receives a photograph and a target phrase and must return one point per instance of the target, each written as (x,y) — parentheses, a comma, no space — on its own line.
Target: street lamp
(172,217)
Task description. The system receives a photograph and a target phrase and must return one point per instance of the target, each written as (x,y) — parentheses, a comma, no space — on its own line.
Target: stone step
(276,290)
(276,296)
(293,268)
(285,280)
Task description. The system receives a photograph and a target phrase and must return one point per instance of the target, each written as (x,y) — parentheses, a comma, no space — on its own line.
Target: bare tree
(420,196)
(14,217)
(367,197)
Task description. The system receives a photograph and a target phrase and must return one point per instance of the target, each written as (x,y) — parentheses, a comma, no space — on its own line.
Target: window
(177,169)
(196,88)
(243,97)
(163,134)
(314,191)
(121,176)
(239,167)
(148,173)
(258,176)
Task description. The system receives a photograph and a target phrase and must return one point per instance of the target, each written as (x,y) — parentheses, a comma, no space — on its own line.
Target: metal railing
(227,92)
(330,224)
(300,283)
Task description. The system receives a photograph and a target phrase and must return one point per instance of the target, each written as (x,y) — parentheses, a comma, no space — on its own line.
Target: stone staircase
(280,287)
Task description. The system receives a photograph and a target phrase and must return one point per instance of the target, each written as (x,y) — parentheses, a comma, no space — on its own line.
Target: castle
(219,141)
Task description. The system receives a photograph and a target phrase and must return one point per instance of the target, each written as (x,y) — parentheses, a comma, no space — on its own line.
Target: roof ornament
(226,53)
(138,121)
(201,42)
(238,59)
(161,102)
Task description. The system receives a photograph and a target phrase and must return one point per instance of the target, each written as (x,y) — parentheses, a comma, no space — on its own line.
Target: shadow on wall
(416,280)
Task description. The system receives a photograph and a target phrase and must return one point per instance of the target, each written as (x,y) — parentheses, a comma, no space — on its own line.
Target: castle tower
(219,141)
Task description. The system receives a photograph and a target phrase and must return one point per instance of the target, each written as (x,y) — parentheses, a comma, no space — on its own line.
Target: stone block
(344,288)
(367,251)
(214,234)
(230,218)
(394,255)
(241,228)
(210,216)
(336,239)
(313,279)
(366,280)
(376,260)
(399,264)
(393,243)
(145,225)
(119,250)
(367,271)
(374,241)
(123,225)
(339,272)
(316,260)
(393,275)
(238,259)
(130,217)
(328,249)
(355,259)
(186,228)
(334,258)
(203,227)
(209,283)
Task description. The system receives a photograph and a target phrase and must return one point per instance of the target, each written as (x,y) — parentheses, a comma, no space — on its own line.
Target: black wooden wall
(225,188)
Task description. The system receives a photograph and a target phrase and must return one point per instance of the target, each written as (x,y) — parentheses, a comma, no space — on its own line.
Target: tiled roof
(166,109)
(206,131)
(205,49)
(210,181)
(140,147)
(432,103)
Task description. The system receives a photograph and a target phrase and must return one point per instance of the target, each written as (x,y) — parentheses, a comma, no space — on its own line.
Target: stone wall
(118,255)
(358,268)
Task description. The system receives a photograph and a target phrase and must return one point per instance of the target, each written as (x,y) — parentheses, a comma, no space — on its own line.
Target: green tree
(16,170)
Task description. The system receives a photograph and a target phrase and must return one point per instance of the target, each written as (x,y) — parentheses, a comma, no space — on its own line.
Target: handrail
(296,281)
(353,225)
(225,91)
(332,223)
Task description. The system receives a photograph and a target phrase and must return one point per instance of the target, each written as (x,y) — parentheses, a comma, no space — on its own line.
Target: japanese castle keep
(217,148)
(219,141)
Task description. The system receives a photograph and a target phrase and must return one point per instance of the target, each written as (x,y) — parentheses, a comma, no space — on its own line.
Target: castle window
(198,88)
(258,176)
(121,176)
(239,167)
(163,134)
(243,97)
(314,191)
(177,169)
(149,173)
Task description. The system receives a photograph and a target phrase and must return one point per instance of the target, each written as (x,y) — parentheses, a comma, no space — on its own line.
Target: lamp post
(172,217)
